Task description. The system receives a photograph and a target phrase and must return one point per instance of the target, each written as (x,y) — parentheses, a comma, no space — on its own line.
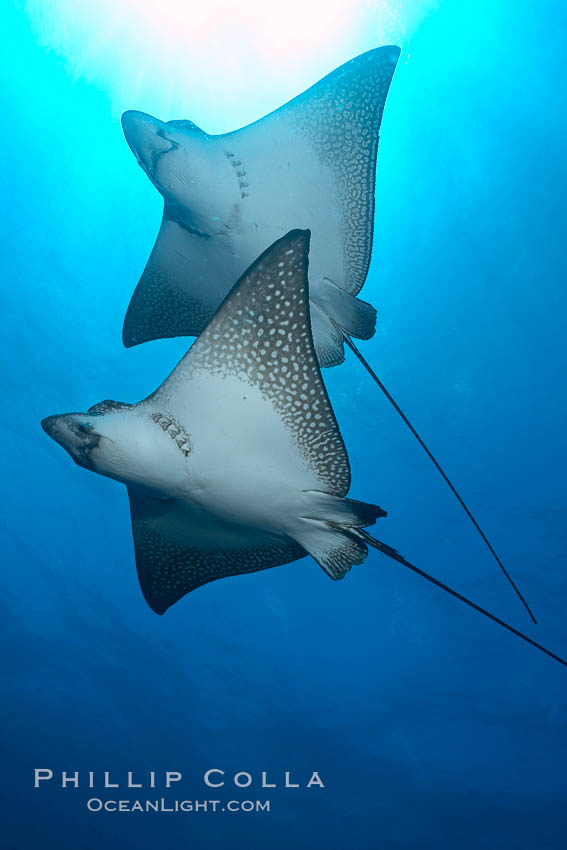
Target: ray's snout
(134,123)
(51,425)
(142,132)
(75,433)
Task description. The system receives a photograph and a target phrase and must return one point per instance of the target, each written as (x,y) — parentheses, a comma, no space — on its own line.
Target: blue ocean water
(429,726)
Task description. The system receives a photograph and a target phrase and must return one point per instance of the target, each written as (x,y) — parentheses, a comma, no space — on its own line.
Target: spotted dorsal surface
(338,119)
(108,405)
(261,335)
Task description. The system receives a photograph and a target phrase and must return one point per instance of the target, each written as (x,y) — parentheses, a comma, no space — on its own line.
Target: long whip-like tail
(436,463)
(392,553)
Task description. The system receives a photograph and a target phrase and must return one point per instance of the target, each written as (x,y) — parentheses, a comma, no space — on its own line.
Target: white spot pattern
(341,116)
(262,333)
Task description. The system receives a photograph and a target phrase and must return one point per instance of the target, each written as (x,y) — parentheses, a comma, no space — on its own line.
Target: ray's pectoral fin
(163,305)
(262,334)
(339,120)
(168,568)
(328,531)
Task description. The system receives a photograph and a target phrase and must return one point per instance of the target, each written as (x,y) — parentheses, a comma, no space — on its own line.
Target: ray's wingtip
(128,340)
(390,52)
(303,236)
(158,608)
(393,53)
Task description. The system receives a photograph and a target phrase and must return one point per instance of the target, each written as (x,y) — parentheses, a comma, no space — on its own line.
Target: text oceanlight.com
(186,806)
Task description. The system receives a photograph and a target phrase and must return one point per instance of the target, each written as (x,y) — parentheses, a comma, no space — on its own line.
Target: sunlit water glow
(243,58)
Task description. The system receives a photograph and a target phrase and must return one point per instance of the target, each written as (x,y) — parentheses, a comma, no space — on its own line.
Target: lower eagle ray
(236,462)
(311,162)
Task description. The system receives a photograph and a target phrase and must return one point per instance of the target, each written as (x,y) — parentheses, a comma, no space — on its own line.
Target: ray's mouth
(77,438)
(157,155)
(148,140)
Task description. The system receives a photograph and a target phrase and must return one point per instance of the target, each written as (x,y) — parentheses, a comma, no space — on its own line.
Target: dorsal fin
(262,334)
(184,124)
(339,118)
(107,405)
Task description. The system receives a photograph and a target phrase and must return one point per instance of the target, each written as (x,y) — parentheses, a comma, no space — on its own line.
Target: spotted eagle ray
(236,462)
(228,197)
(311,162)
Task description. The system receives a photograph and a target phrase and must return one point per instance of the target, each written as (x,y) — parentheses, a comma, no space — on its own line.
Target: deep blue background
(430,727)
